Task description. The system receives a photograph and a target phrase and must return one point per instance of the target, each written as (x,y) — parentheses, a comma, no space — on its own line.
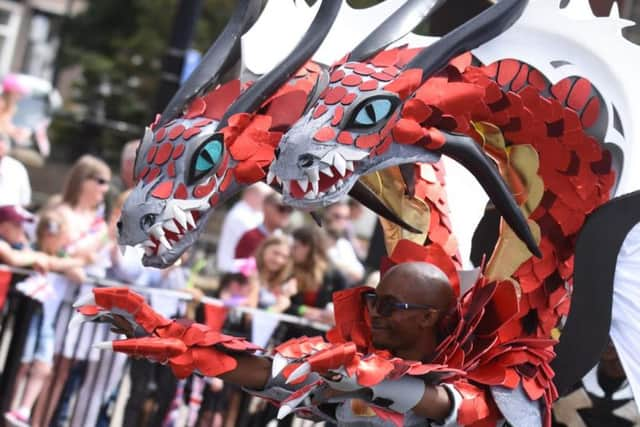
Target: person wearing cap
(14,245)
(276,217)
(15,188)
(52,235)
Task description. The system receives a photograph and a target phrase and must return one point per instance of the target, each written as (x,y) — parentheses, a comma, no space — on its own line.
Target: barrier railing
(84,383)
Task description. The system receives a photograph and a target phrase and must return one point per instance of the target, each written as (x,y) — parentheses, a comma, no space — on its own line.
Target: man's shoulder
(9,163)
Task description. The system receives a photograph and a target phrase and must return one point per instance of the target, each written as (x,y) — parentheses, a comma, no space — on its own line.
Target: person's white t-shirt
(15,188)
(240,218)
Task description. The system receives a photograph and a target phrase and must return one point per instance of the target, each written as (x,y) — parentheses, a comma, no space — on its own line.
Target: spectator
(15,188)
(221,399)
(14,245)
(315,276)
(276,216)
(15,249)
(83,195)
(340,250)
(12,91)
(243,216)
(127,163)
(603,397)
(150,381)
(52,235)
(275,284)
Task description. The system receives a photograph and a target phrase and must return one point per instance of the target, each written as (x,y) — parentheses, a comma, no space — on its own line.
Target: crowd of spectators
(266,260)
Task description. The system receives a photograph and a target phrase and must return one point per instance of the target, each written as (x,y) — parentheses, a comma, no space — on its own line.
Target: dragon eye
(371,112)
(206,158)
(147,221)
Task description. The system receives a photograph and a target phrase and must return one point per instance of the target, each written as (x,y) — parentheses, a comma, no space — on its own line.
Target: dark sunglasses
(385,306)
(99,180)
(284,209)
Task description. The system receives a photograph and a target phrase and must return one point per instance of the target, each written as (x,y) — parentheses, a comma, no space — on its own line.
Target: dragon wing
(572,42)
(575,43)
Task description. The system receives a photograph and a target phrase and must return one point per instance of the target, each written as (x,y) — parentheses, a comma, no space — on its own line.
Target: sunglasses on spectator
(385,306)
(338,217)
(284,209)
(99,180)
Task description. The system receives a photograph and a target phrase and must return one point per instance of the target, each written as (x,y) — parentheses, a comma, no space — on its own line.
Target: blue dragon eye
(209,156)
(371,112)
(205,159)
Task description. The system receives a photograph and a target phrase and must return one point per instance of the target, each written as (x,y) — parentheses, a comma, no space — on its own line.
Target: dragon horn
(222,56)
(264,87)
(465,151)
(482,28)
(399,24)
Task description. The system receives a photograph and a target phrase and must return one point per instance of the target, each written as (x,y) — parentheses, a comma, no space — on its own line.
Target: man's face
(337,218)
(276,215)
(402,329)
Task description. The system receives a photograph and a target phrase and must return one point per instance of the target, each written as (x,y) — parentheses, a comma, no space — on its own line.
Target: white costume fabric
(240,219)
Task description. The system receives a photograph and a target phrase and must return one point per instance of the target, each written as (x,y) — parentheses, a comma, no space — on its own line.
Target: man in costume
(405,312)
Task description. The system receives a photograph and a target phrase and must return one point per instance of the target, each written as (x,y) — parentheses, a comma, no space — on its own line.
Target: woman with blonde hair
(275,285)
(83,196)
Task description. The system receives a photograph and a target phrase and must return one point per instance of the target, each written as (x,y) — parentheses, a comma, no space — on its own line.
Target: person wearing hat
(14,245)
(15,249)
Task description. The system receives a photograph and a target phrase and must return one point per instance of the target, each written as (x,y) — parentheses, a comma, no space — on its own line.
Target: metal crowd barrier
(85,386)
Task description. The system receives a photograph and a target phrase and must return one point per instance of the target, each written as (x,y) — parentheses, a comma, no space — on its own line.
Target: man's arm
(436,403)
(252,372)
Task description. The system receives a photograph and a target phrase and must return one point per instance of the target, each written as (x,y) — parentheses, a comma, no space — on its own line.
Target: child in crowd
(14,244)
(52,234)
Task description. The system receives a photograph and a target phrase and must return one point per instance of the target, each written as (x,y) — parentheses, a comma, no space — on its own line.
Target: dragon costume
(525,96)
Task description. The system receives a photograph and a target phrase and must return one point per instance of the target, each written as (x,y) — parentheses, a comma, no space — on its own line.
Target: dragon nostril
(277,152)
(119,225)
(305,160)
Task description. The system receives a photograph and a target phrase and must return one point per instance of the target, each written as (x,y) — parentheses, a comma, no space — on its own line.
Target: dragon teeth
(286,186)
(350,165)
(340,164)
(158,232)
(171,226)
(180,216)
(270,176)
(315,187)
(304,184)
(190,220)
(327,171)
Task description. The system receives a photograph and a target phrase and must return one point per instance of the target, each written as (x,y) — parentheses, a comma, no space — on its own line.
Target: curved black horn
(465,151)
(399,24)
(221,56)
(482,28)
(264,87)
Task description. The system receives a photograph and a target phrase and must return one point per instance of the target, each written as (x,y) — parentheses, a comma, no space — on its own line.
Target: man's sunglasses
(284,209)
(385,306)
